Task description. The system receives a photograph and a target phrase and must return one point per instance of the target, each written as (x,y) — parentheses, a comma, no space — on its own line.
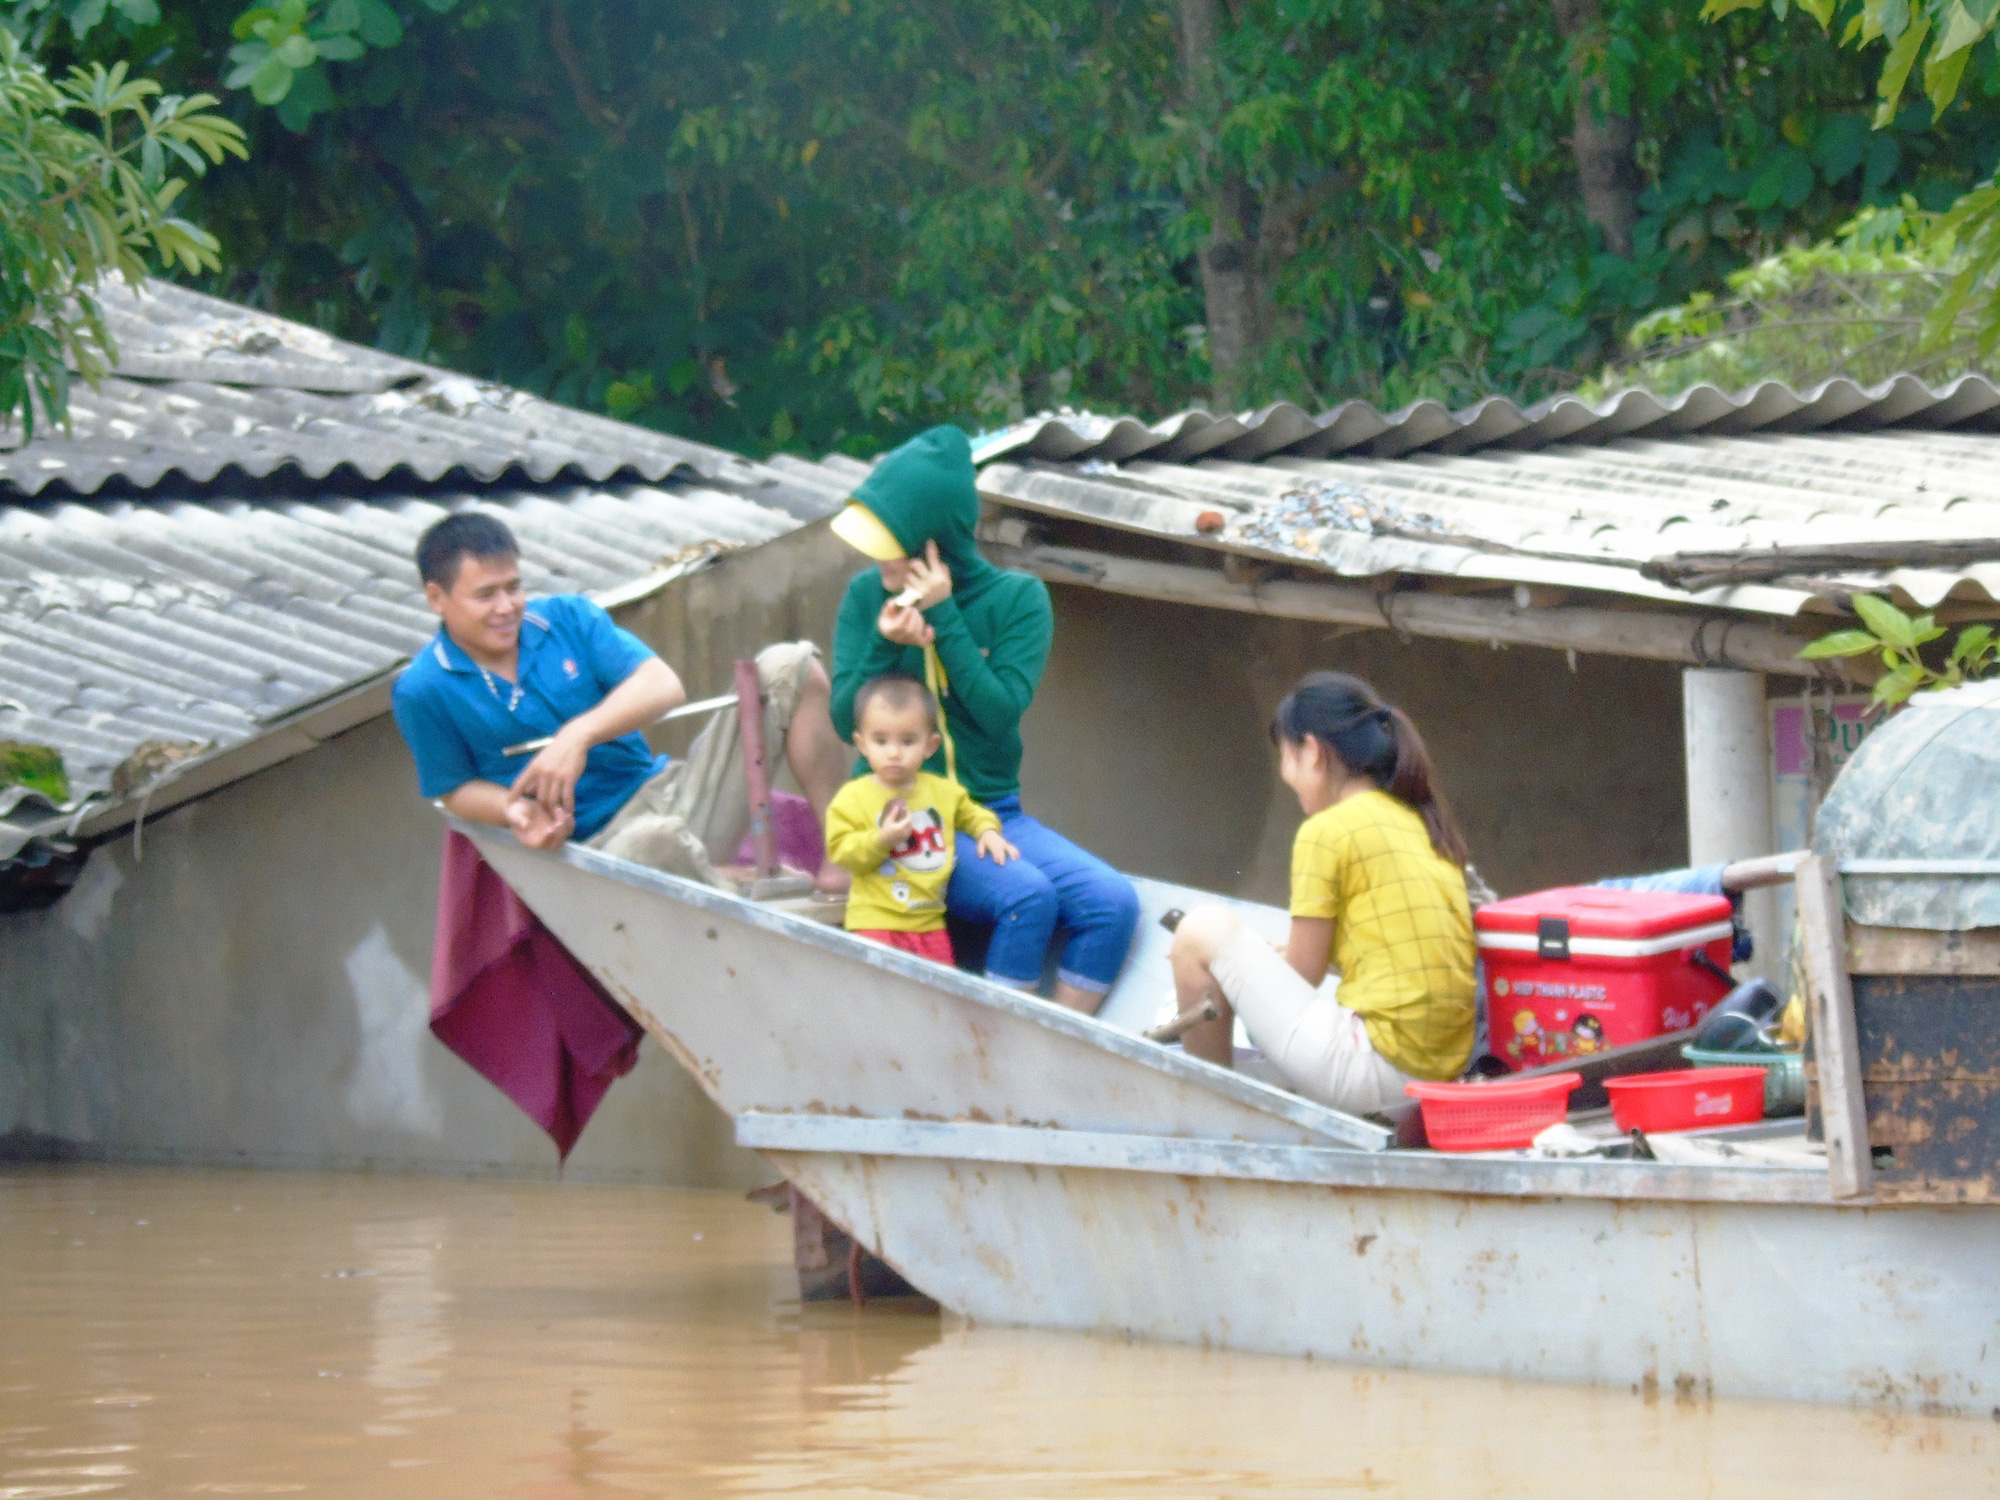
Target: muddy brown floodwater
(168,1333)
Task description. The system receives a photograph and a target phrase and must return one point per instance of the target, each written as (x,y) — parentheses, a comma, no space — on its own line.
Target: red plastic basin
(1498,1116)
(1687,1100)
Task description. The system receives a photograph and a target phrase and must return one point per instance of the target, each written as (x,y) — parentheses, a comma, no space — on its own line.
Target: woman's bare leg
(1197,940)
(819,758)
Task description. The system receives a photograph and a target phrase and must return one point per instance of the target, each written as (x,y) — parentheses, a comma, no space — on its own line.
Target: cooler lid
(1607,912)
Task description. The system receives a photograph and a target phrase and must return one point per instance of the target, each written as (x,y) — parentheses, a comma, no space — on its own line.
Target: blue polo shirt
(457,718)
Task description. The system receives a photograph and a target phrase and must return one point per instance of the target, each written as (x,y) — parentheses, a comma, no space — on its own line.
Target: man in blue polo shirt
(502,671)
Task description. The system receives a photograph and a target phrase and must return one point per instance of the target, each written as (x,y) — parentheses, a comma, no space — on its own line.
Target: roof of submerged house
(1760,512)
(171,620)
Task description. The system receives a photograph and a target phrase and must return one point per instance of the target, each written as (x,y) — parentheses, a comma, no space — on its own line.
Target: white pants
(691,816)
(1320,1047)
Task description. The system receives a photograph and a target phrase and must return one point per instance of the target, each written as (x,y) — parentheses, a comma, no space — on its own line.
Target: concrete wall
(1147,743)
(248,985)
(247,982)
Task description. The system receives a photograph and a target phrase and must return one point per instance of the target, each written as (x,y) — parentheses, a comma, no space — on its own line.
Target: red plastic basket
(1499,1116)
(1688,1099)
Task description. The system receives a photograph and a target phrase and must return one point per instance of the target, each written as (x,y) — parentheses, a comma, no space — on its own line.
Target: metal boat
(1023,1164)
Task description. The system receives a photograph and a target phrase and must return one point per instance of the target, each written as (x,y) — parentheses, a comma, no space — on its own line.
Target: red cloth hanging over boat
(513,1003)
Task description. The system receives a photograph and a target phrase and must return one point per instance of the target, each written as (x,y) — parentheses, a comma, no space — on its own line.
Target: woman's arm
(1310,947)
(996,686)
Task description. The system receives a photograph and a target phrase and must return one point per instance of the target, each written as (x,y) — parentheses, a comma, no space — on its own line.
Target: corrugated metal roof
(1428,426)
(234,629)
(1576,514)
(203,388)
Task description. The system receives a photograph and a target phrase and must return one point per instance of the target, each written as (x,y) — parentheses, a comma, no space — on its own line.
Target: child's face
(895,741)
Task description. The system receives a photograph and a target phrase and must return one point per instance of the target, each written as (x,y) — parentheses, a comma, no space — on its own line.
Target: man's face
(482,608)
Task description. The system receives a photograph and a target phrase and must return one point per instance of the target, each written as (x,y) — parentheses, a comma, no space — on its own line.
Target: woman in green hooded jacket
(979,637)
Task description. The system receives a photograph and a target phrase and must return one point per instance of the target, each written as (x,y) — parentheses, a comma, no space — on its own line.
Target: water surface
(207,1333)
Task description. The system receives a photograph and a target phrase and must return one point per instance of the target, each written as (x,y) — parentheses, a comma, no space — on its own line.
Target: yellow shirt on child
(900,890)
(1402,928)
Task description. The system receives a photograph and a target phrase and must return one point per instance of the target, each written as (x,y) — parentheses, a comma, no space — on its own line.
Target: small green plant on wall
(1900,640)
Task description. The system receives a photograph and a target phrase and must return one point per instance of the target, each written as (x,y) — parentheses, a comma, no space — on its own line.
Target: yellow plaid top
(1402,928)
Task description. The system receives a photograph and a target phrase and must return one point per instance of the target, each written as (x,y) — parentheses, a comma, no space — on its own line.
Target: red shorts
(934,945)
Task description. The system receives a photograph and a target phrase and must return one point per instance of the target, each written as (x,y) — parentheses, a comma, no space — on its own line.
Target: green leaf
(245,26)
(379,24)
(338,48)
(85,15)
(1820,10)
(1941,79)
(138,12)
(1895,687)
(1890,624)
(1961,30)
(271,80)
(296,51)
(254,56)
(342,15)
(1896,69)
(1840,643)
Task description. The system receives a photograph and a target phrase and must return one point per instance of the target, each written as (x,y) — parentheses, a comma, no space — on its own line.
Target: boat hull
(1025,1165)
(1887,1307)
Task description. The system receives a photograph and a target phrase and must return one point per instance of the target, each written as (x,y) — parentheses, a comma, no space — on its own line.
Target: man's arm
(550,778)
(489,802)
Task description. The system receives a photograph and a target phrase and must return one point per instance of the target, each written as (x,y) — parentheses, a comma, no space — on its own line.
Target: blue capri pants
(1053,884)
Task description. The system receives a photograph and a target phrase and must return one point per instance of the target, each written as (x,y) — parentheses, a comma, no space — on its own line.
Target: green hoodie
(993,633)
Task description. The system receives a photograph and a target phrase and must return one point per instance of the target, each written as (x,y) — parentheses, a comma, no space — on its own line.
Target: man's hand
(993,845)
(537,826)
(550,778)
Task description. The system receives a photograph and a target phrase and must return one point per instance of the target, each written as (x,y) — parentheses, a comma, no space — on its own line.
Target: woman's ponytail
(1375,740)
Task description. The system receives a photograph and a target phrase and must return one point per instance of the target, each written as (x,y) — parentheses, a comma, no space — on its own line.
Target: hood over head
(925,491)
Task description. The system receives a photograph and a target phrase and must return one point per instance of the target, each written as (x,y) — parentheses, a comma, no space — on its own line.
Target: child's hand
(993,845)
(897,821)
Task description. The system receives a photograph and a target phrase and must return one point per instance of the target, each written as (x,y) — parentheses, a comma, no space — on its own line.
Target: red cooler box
(1572,971)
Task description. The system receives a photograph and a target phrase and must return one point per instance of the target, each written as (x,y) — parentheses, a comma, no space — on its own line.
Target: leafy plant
(1860,305)
(280,49)
(36,767)
(1900,640)
(78,204)
(1945,35)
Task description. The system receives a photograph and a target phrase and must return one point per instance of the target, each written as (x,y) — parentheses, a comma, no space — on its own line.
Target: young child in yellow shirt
(894,827)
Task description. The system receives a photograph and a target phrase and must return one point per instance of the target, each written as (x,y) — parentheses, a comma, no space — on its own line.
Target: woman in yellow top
(1378,895)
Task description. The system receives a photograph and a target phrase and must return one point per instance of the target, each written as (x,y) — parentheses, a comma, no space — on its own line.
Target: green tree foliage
(88,183)
(1947,44)
(822,222)
(1860,305)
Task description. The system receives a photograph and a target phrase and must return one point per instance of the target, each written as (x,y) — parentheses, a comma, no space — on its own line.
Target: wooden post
(756,775)
(1830,1009)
